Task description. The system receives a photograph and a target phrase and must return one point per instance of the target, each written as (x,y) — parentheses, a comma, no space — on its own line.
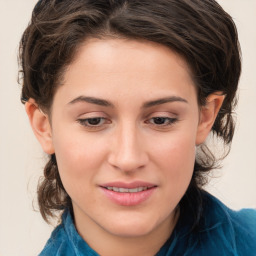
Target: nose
(128,152)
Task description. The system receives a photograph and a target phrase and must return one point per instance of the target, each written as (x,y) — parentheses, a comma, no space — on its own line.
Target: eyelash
(85,122)
(170,121)
(167,122)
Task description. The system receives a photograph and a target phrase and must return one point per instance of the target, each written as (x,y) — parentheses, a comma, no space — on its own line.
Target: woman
(122,96)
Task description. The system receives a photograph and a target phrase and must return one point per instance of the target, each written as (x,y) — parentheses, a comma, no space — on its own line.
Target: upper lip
(135,184)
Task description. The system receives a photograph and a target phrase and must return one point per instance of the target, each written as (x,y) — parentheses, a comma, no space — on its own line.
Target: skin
(126,142)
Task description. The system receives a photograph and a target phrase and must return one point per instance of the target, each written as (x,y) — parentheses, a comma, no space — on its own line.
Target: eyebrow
(147,104)
(156,102)
(92,100)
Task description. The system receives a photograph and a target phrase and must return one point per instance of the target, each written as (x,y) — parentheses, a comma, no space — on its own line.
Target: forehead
(125,54)
(118,67)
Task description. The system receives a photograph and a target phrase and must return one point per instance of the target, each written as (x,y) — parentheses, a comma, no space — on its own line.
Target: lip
(134,184)
(128,198)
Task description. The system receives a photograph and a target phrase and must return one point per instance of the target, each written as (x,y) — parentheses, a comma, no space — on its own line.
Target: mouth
(128,194)
(128,190)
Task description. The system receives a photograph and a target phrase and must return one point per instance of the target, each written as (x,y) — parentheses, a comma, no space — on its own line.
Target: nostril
(128,163)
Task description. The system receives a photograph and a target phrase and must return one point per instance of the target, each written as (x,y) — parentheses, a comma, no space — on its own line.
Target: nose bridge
(127,153)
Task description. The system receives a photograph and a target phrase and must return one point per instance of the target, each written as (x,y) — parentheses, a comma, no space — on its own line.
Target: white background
(22,230)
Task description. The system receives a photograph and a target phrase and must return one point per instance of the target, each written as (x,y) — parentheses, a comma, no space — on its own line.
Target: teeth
(115,189)
(127,190)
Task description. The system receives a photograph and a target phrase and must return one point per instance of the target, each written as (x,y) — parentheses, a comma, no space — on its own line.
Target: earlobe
(40,124)
(208,114)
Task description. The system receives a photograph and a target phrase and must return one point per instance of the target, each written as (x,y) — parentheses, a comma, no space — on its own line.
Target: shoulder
(58,243)
(242,221)
(235,230)
(244,229)
(220,231)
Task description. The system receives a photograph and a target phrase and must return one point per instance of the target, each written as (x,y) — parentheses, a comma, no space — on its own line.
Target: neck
(108,244)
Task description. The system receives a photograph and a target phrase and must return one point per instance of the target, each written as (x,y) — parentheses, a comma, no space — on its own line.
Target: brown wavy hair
(198,30)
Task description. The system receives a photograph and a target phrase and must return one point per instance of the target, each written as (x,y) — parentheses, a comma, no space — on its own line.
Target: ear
(208,114)
(40,124)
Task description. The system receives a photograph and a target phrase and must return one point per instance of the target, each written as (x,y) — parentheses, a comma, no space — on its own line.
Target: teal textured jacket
(222,232)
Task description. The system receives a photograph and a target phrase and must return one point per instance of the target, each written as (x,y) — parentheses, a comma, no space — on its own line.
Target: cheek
(175,150)
(176,157)
(78,160)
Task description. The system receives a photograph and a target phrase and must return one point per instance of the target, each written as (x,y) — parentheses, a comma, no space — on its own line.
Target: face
(124,126)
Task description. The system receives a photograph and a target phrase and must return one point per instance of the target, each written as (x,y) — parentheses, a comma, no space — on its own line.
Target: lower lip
(128,199)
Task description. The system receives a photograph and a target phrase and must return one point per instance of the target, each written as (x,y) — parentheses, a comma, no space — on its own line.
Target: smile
(127,190)
(128,194)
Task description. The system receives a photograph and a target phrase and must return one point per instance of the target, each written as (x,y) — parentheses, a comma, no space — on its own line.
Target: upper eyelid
(96,114)
(162,114)
(106,115)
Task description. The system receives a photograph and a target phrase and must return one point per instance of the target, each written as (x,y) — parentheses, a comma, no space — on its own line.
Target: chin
(131,226)
(130,231)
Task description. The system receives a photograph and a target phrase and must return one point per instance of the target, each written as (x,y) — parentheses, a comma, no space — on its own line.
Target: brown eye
(95,121)
(159,120)
(162,121)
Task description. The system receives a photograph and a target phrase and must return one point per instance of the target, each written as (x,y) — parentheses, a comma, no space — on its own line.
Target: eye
(94,122)
(162,121)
